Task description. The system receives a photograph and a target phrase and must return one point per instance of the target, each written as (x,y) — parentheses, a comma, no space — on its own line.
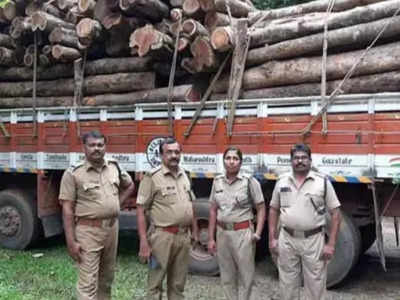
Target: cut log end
(221,39)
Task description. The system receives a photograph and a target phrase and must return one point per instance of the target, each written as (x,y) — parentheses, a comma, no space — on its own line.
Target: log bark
(306,8)
(215,19)
(46,22)
(33,7)
(93,85)
(6,41)
(65,54)
(66,5)
(146,39)
(73,16)
(154,10)
(95,67)
(360,35)
(89,31)
(207,5)
(22,102)
(194,28)
(13,8)
(176,3)
(182,93)
(7,57)
(192,8)
(375,83)
(238,8)
(64,37)
(313,23)
(86,7)
(306,70)
(20,26)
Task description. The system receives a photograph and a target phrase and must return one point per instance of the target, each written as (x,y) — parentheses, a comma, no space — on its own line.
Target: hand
(144,252)
(74,250)
(273,247)
(256,237)
(327,252)
(212,247)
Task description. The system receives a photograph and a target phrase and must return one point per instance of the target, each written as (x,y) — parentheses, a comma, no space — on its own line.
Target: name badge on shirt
(285,189)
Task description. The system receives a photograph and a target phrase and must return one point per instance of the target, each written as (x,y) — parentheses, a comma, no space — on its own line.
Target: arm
(260,220)
(145,250)
(212,220)
(126,192)
(272,226)
(329,248)
(68,212)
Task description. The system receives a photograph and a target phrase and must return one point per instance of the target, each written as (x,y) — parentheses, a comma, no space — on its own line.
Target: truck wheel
(19,225)
(347,252)
(368,236)
(201,261)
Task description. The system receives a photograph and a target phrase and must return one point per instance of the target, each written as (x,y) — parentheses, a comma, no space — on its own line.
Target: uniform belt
(303,234)
(175,229)
(96,222)
(234,226)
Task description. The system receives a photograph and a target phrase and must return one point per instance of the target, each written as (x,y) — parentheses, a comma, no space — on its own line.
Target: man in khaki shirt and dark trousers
(90,194)
(301,200)
(166,198)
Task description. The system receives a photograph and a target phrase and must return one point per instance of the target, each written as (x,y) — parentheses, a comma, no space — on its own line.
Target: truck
(358,148)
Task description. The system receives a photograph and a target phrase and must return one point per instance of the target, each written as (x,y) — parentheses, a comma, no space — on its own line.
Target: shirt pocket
(242,199)
(91,190)
(286,199)
(317,201)
(169,193)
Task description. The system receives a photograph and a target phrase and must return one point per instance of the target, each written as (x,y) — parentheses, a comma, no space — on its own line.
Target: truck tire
(368,236)
(347,252)
(201,261)
(19,225)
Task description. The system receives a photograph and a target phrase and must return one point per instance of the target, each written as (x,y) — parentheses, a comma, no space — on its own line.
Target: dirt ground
(368,280)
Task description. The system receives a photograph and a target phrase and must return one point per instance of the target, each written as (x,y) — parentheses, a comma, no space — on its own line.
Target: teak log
(65,54)
(33,7)
(306,8)
(65,37)
(89,30)
(13,8)
(375,83)
(379,59)
(179,94)
(360,35)
(7,57)
(66,5)
(194,28)
(93,85)
(147,38)
(6,41)
(94,67)
(154,10)
(46,22)
(204,58)
(21,102)
(207,5)
(176,14)
(86,7)
(215,19)
(192,8)
(238,8)
(20,26)
(73,15)
(176,3)
(280,30)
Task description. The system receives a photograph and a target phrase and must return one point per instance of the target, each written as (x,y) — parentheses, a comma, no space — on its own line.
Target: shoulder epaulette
(284,175)
(219,176)
(152,172)
(76,166)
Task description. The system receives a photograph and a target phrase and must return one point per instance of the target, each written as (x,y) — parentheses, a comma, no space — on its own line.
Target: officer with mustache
(300,200)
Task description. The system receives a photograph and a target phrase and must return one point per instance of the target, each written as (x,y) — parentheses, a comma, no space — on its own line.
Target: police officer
(300,200)
(233,197)
(165,196)
(90,194)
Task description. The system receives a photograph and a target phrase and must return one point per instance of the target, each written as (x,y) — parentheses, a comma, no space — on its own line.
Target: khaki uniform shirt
(95,192)
(168,199)
(235,201)
(296,208)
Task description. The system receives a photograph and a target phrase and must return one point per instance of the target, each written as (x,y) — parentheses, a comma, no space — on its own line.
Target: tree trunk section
(7,57)
(65,54)
(6,41)
(22,102)
(192,8)
(89,31)
(20,26)
(214,19)
(223,38)
(360,35)
(183,93)
(13,8)
(46,22)
(64,37)
(66,5)
(193,28)
(147,38)
(93,85)
(207,5)
(86,7)
(176,14)
(306,8)
(375,83)
(238,8)
(302,70)
(154,10)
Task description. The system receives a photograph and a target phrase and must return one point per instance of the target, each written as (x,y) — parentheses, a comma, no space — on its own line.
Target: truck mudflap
(378,227)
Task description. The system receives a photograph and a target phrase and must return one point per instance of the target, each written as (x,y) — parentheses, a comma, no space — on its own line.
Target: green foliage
(268,4)
(2,2)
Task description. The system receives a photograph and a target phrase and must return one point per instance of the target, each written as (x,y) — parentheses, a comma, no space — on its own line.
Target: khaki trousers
(301,256)
(236,259)
(97,266)
(172,252)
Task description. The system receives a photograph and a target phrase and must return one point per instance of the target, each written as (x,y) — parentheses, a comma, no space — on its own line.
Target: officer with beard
(165,203)
(300,200)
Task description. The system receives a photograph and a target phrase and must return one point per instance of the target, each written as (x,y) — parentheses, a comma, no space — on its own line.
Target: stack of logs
(125,49)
